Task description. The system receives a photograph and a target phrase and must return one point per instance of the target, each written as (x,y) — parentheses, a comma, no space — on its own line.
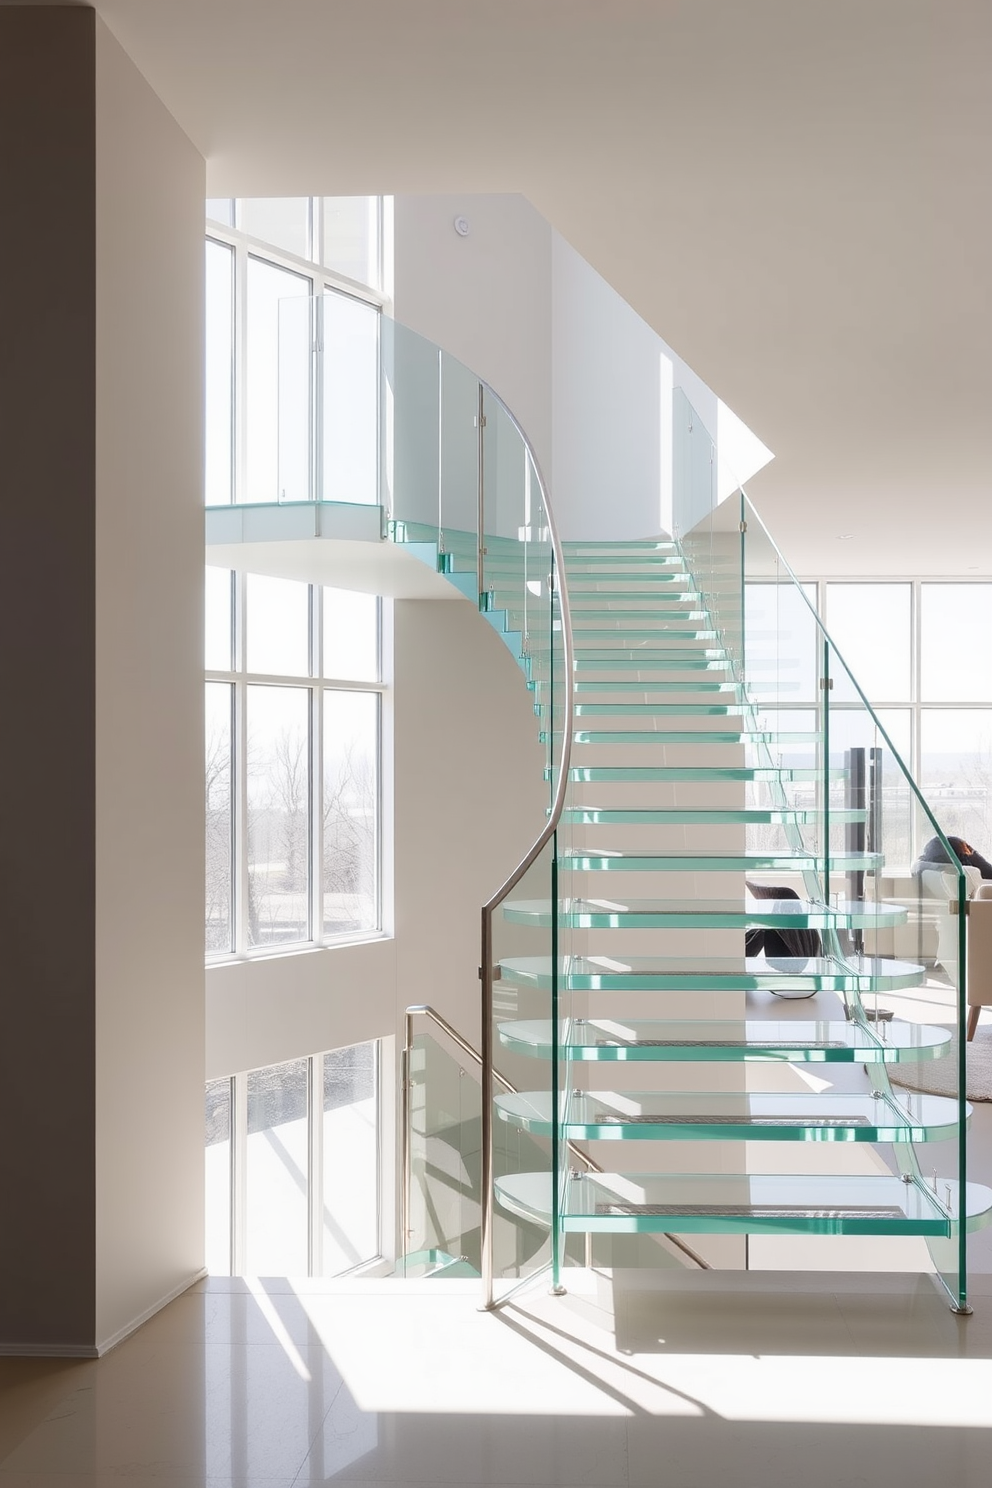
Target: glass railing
(441,1208)
(853,819)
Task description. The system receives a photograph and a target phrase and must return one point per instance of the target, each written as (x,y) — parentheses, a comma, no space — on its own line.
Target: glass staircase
(662,1008)
(720,904)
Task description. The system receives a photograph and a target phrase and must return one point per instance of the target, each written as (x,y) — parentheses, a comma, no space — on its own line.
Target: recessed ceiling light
(844,536)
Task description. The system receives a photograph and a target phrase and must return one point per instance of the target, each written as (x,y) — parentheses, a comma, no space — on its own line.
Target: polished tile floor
(671,1380)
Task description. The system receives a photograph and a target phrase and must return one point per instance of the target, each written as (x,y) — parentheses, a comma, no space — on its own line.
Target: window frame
(315,1146)
(323,281)
(318,687)
(915,704)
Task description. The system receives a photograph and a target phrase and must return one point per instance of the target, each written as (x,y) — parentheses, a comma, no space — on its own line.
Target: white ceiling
(796,195)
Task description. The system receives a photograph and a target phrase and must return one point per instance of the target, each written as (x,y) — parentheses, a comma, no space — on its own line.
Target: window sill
(303,948)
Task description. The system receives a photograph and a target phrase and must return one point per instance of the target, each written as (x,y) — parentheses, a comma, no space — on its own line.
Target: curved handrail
(536,848)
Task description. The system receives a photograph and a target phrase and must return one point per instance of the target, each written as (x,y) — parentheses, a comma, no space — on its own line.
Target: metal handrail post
(406,1145)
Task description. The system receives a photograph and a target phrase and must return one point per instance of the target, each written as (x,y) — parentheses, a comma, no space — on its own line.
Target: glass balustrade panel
(884,846)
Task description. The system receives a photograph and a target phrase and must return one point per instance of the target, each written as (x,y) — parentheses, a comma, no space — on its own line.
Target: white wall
(149,698)
(608,408)
(589,379)
(485,298)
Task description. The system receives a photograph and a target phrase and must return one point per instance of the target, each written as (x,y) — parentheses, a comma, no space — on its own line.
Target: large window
(915,649)
(293,703)
(293,290)
(293,1166)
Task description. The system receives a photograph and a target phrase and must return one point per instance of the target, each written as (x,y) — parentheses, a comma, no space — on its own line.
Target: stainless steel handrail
(424,1010)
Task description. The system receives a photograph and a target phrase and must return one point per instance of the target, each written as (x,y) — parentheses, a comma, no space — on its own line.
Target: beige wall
(100,588)
(149,697)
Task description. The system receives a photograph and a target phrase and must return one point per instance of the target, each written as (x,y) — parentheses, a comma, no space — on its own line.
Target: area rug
(939,1076)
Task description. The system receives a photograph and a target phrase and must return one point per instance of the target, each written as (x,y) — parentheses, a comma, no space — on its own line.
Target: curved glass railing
(462,489)
(404,425)
(852,817)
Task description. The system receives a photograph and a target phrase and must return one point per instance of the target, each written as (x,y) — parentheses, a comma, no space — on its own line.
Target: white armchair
(979,979)
(940,883)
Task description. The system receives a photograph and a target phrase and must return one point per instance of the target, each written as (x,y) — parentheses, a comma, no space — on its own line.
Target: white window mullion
(239,1156)
(241,364)
(241,775)
(317,391)
(316,1163)
(317,767)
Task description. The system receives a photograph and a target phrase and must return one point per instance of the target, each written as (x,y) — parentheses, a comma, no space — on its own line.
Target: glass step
(688,736)
(731,1203)
(619,774)
(693,661)
(704,914)
(591,582)
(659,710)
(654,621)
(690,687)
(755,860)
(654,656)
(861,974)
(718,1116)
(576,563)
(607,590)
(594,816)
(677,631)
(792,1041)
(633,545)
(433,1263)
(677,608)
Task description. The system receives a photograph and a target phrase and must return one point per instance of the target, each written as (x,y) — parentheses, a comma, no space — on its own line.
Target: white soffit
(371,567)
(796,197)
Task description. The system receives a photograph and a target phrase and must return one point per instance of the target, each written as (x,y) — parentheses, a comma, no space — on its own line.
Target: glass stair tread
(600,973)
(676,608)
(620,774)
(690,688)
(704,1115)
(730,1203)
(656,654)
(592,580)
(696,661)
(620,631)
(653,709)
(687,736)
(605,590)
(710,914)
(619,553)
(633,545)
(793,1041)
(594,816)
(646,565)
(602,860)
